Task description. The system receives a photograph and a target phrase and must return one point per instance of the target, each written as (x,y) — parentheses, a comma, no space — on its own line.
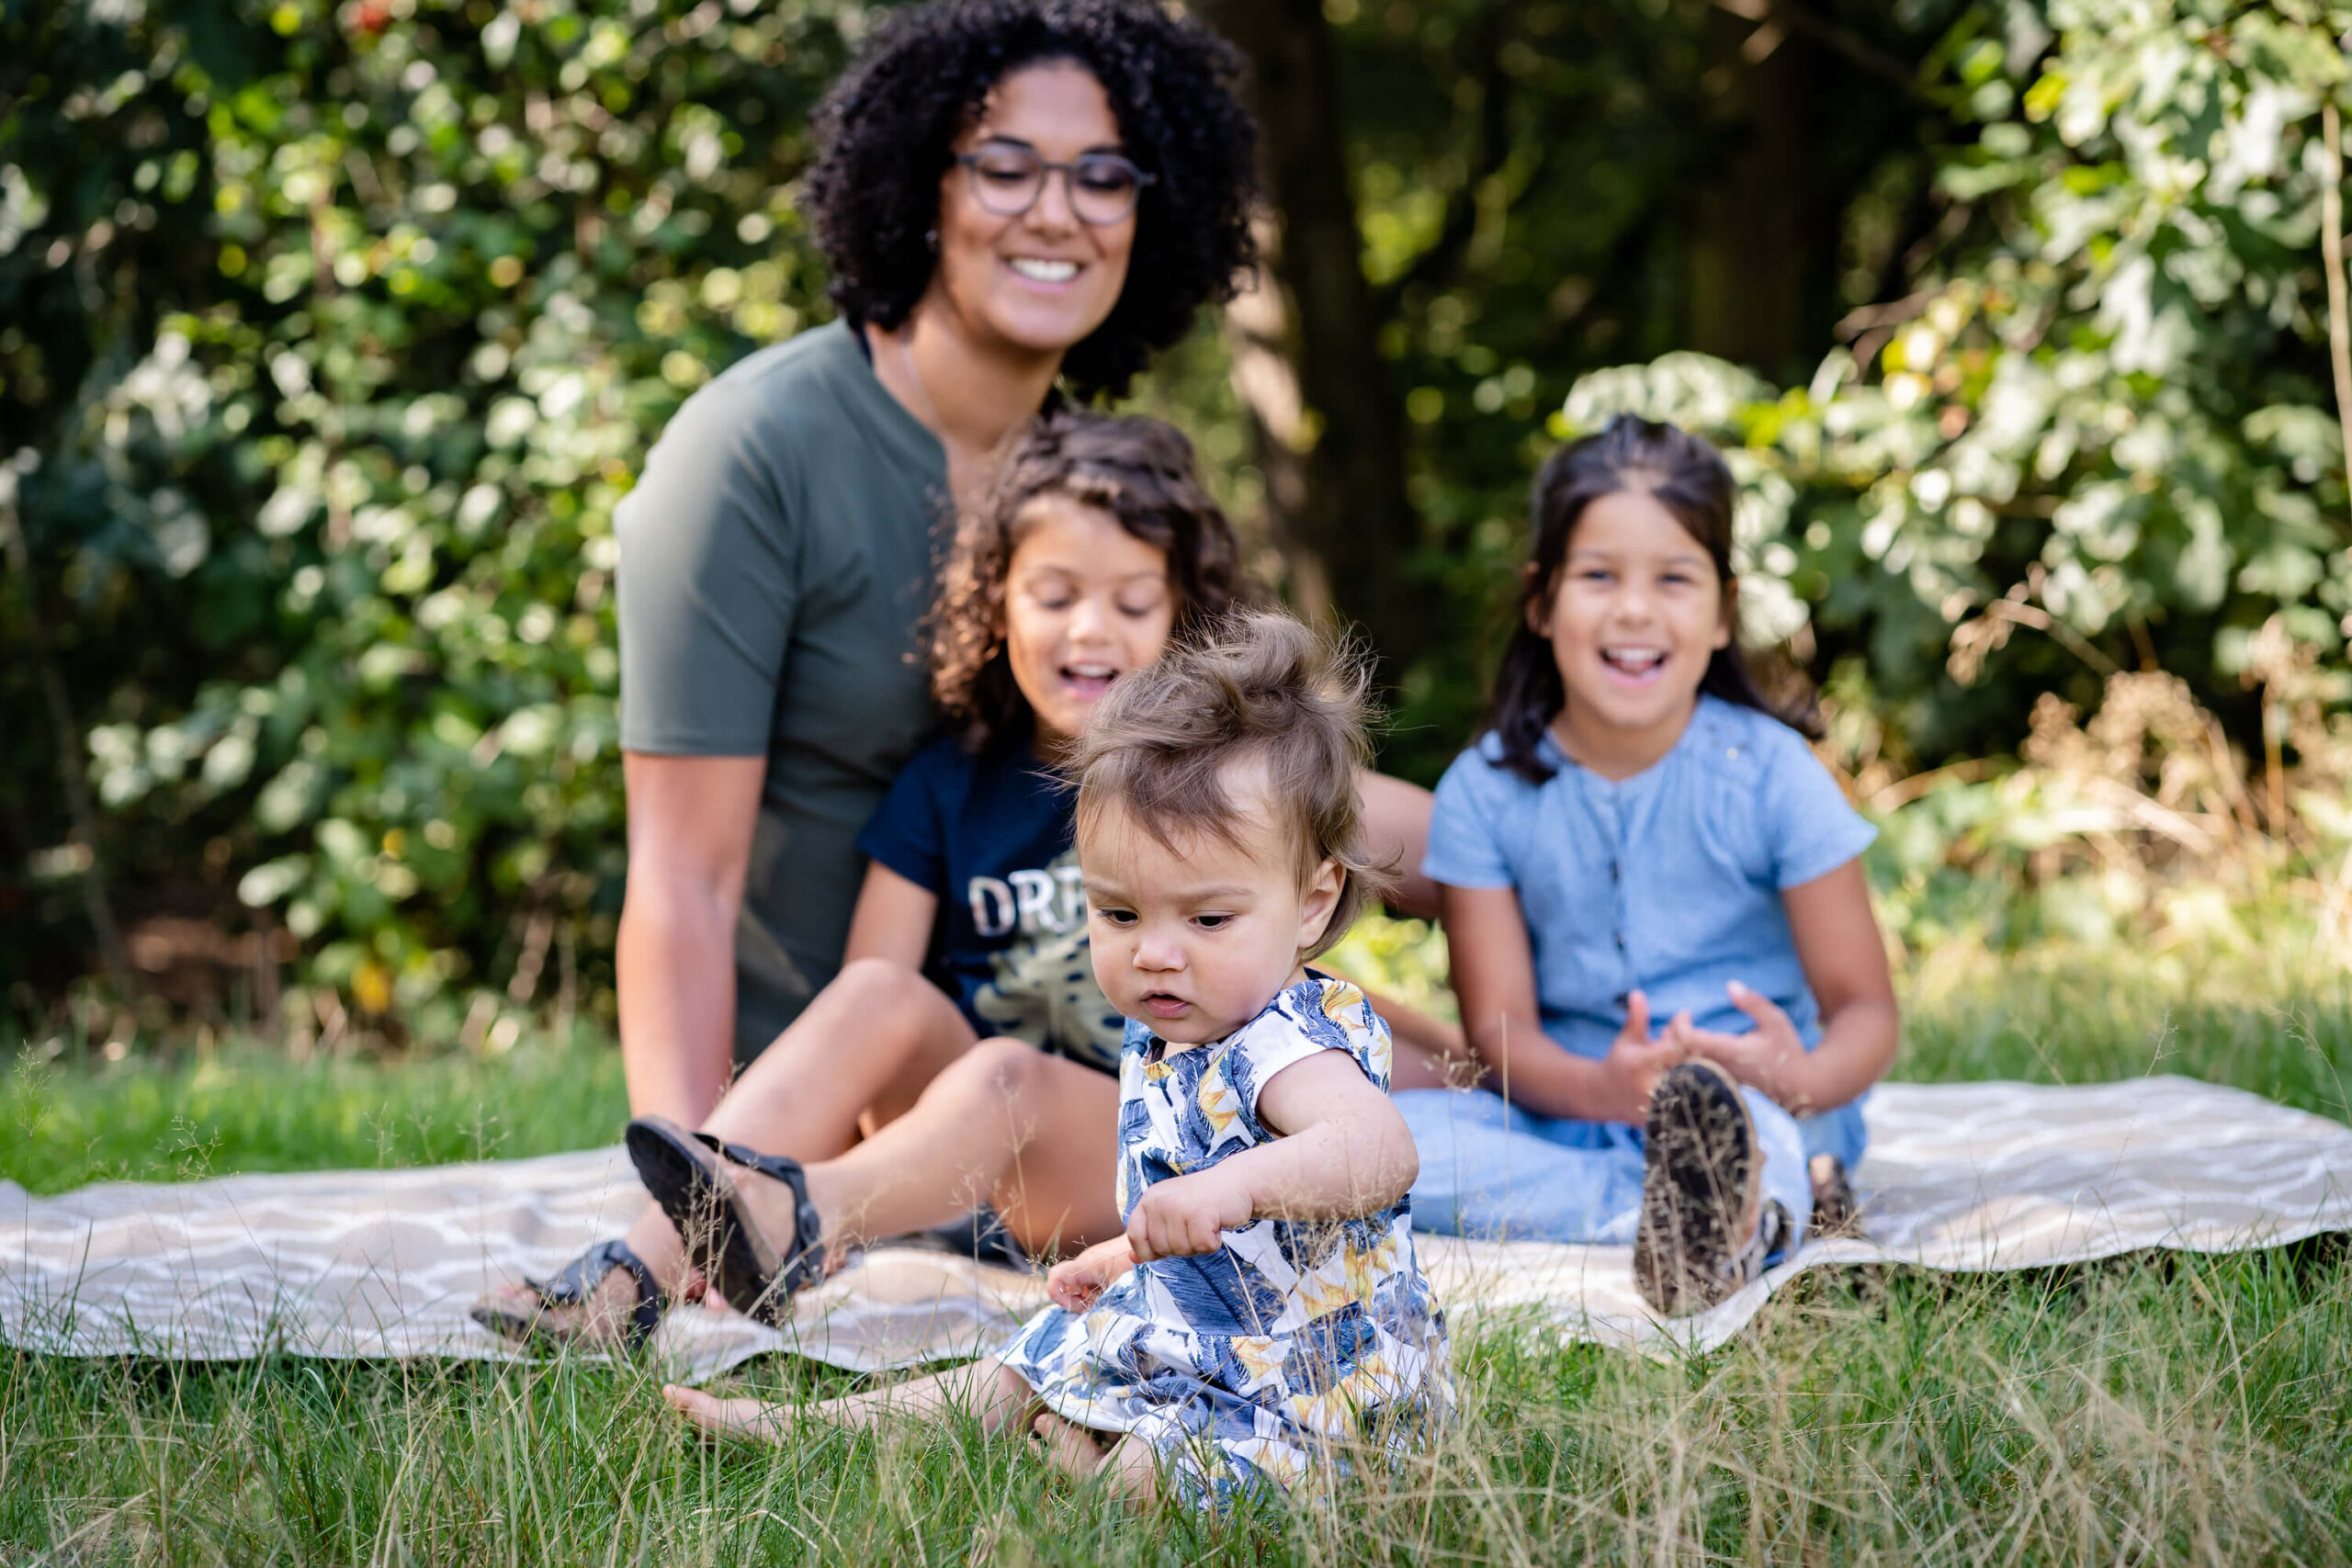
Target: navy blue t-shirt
(991,835)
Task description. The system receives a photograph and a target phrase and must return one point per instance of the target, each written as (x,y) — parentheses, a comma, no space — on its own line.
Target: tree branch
(1829,35)
(2331,249)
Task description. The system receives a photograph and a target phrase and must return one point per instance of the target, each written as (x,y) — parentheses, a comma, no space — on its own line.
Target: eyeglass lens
(1103,187)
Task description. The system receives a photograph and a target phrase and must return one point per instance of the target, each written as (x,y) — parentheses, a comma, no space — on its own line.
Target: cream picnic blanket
(384,1263)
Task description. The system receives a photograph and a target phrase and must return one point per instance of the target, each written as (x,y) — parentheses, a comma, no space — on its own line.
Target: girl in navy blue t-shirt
(1097,545)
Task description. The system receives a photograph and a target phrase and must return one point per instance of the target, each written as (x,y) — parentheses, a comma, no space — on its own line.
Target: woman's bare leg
(1033,1136)
(875,1037)
(984,1388)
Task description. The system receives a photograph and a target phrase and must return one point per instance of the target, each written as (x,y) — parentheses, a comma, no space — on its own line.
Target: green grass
(2155,1408)
(244,1108)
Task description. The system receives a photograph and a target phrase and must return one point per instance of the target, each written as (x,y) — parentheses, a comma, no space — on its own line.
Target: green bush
(2100,415)
(336,332)
(330,335)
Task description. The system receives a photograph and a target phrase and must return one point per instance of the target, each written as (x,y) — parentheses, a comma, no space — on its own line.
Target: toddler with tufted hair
(1262,1322)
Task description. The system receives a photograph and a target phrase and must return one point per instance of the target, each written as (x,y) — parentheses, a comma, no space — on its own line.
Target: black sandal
(572,1285)
(686,1175)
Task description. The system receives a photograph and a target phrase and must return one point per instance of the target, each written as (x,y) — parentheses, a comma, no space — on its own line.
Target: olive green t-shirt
(775,560)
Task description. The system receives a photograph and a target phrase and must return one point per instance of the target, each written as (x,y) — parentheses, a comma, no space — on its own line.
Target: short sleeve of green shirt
(776,559)
(709,583)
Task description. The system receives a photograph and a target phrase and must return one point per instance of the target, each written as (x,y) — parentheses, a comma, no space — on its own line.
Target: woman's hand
(1076,1283)
(1187,1215)
(1770,1058)
(1623,1080)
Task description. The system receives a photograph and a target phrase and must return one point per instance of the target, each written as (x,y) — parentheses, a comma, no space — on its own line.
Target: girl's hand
(1187,1215)
(1625,1077)
(1770,1058)
(1076,1283)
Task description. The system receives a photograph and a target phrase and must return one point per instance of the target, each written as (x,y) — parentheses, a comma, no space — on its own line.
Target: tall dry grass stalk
(2140,827)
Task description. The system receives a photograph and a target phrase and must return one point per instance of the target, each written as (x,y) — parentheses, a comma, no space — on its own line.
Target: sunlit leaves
(2109,390)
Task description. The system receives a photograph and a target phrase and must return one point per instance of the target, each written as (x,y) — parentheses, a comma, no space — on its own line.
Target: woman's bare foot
(600,1322)
(772,1211)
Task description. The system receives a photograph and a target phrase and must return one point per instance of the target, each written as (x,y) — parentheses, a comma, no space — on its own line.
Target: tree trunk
(1748,249)
(1334,459)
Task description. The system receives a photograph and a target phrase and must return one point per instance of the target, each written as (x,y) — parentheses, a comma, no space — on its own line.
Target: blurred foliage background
(331,332)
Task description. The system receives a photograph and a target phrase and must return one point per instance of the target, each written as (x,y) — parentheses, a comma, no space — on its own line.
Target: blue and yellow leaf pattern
(1294,1350)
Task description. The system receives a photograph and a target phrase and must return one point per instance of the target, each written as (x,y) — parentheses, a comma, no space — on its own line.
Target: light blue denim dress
(1668,882)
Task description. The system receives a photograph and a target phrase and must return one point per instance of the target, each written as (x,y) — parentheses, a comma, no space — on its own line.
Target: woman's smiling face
(1040,281)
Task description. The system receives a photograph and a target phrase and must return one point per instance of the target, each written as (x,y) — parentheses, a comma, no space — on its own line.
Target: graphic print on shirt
(1044,986)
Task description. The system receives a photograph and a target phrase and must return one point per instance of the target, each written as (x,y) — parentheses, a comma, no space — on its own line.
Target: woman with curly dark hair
(1013,194)
(1016,196)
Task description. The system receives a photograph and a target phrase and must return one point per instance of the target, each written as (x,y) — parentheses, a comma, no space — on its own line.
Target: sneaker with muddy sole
(1835,1212)
(1702,1191)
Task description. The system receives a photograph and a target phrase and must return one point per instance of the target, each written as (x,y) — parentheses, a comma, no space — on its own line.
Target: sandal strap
(807,1266)
(577,1280)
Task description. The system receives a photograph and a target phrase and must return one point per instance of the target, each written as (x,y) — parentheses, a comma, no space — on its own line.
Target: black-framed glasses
(1007,178)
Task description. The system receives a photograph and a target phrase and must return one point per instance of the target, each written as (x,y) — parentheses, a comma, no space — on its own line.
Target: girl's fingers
(1755,1005)
(1638,1015)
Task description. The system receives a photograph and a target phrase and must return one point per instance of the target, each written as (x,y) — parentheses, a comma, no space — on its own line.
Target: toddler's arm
(1076,1282)
(1494,975)
(1342,1153)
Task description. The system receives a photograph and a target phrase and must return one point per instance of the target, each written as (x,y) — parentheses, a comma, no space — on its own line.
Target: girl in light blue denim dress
(1642,866)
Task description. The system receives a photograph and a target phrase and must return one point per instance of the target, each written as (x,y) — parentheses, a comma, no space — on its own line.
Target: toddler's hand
(1076,1283)
(1769,1058)
(1186,1215)
(1631,1068)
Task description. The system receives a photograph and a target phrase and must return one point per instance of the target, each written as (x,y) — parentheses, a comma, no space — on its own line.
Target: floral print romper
(1294,1345)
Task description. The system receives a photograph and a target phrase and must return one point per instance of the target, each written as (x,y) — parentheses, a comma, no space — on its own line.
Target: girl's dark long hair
(1688,477)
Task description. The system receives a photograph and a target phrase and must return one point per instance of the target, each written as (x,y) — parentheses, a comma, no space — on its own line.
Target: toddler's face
(1635,616)
(1085,601)
(1192,941)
